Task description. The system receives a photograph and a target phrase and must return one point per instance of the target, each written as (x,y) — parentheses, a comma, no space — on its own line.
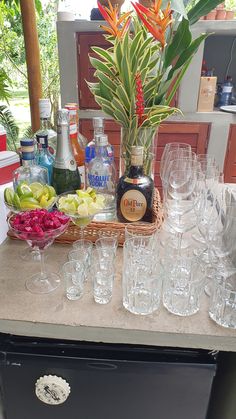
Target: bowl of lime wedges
(81,206)
(30,196)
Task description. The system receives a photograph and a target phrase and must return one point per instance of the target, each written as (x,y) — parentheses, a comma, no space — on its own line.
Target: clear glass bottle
(29,172)
(98,128)
(135,191)
(77,148)
(65,174)
(43,157)
(45,124)
(102,177)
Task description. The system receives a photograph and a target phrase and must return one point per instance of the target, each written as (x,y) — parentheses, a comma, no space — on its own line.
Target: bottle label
(227,89)
(133,181)
(82,176)
(133,205)
(69,164)
(101,182)
(44,109)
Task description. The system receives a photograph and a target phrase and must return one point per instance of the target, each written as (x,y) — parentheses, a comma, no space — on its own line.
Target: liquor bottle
(43,157)
(102,177)
(135,191)
(45,124)
(29,172)
(77,149)
(226,93)
(65,174)
(98,128)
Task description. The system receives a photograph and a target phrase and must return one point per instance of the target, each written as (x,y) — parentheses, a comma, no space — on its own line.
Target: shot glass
(183,285)
(222,309)
(85,247)
(73,274)
(103,278)
(106,247)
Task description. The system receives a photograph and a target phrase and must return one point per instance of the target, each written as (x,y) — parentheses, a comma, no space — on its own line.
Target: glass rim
(70,263)
(84,241)
(223,286)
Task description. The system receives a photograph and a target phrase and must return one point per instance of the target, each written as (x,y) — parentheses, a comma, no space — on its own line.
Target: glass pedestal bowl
(42,282)
(29,254)
(80,220)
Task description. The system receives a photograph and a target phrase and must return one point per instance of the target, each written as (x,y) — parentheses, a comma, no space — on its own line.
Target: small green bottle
(65,174)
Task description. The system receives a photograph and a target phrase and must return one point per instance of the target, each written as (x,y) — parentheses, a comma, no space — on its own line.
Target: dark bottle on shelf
(65,174)
(135,191)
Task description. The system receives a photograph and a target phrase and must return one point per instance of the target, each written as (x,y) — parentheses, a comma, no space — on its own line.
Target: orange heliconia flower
(115,22)
(155,19)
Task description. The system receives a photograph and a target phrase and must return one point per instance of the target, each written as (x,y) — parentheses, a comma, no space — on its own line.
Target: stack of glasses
(97,264)
(196,248)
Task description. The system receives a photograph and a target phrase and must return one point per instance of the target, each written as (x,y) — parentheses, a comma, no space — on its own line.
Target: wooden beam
(32,59)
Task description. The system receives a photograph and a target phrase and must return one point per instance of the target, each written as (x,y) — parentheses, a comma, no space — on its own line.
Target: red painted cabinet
(193,133)
(230,157)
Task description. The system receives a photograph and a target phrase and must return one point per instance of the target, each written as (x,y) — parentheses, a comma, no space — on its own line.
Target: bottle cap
(101,140)
(137,150)
(44,108)
(42,139)
(136,156)
(98,122)
(63,117)
(27,148)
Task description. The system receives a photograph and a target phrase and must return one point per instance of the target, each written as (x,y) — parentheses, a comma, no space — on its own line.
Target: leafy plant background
(13,74)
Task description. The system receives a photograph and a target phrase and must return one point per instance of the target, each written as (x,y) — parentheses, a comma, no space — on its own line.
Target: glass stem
(42,266)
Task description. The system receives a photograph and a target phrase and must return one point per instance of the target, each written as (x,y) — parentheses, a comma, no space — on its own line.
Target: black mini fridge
(52,379)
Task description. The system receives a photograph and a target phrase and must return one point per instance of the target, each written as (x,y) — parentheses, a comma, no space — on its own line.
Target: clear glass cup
(85,248)
(137,229)
(141,278)
(106,247)
(103,279)
(107,232)
(73,275)
(183,285)
(223,301)
(81,257)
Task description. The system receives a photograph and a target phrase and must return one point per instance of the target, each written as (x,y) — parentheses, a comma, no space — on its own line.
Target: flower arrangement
(138,75)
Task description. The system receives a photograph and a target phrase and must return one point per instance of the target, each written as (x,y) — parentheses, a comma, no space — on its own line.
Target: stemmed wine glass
(42,282)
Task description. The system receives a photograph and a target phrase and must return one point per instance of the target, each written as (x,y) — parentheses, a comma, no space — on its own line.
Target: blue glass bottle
(43,157)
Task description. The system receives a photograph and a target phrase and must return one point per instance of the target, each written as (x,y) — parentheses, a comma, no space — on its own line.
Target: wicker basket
(91,231)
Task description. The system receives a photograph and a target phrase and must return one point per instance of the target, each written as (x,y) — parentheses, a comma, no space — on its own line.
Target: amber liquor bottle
(135,191)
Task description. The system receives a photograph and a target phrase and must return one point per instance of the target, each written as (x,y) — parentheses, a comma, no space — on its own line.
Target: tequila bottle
(29,172)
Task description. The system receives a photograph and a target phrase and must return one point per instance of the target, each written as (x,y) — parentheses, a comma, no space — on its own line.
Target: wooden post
(32,59)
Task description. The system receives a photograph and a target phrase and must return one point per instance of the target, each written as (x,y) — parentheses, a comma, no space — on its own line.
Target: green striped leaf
(122,95)
(101,66)
(106,81)
(105,54)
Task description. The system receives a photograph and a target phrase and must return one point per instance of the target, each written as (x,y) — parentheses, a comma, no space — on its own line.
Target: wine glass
(29,253)
(42,282)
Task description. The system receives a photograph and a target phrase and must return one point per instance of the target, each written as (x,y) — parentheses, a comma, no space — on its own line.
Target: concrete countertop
(52,315)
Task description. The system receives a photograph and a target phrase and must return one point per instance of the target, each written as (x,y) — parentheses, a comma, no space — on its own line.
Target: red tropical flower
(118,26)
(155,19)
(140,103)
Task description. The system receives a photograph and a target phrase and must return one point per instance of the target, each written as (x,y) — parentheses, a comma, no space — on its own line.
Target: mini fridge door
(107,385)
